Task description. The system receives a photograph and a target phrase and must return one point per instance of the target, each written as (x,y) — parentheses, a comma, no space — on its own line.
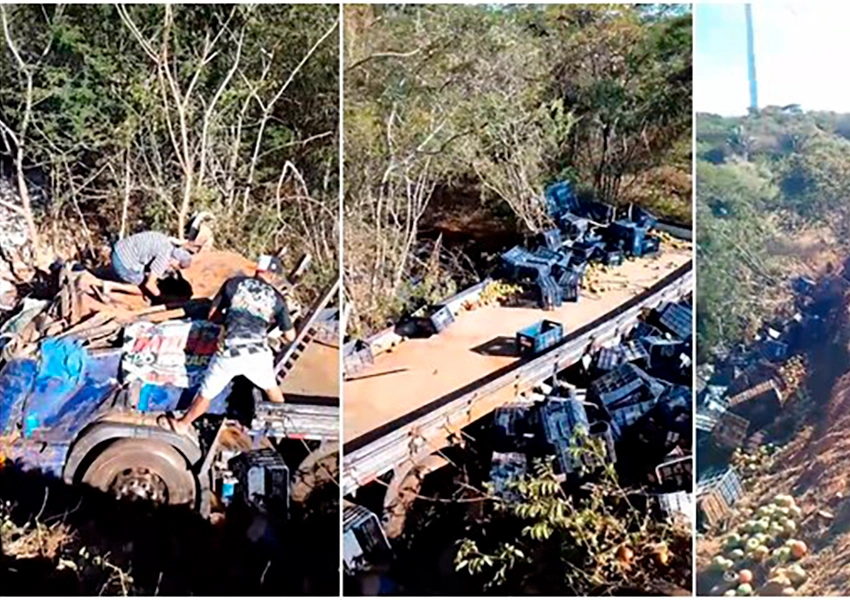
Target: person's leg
(260,372)
(219,374)
(128,281)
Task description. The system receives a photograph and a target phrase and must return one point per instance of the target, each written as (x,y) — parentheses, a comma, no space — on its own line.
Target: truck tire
(148,470)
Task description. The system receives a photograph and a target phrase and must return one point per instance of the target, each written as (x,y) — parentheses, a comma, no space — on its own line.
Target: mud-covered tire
(147,461)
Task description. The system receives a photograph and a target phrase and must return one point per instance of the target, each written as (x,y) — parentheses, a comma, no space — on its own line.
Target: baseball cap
(183,256)
(269,264)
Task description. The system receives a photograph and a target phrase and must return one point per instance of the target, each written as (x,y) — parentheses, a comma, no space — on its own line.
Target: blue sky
(801,50)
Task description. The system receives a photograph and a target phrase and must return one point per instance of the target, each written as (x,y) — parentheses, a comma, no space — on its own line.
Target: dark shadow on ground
(501,345)
(166,550)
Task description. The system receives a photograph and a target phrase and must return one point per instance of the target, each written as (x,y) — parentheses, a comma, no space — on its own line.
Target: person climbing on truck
(251,305)
(142,259)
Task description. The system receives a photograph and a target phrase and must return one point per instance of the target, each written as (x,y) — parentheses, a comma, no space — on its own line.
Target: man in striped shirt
(143,258)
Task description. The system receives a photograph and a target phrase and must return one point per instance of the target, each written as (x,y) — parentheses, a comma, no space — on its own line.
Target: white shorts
(257,367)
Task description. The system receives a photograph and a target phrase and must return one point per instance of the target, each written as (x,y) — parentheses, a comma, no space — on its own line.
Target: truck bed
(478,343)
(315,375)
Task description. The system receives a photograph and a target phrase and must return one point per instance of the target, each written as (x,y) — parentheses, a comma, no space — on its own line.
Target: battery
(263,478)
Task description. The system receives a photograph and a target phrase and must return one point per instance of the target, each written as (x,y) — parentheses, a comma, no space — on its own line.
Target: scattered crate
(552,239)
(717,493)
(676,474)
(677,319)
(363,539)
(437,320)
(506,467)
(730,431)
(356,356)
(540,336)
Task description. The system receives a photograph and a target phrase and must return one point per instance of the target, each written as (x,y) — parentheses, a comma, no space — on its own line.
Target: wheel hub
(140,483)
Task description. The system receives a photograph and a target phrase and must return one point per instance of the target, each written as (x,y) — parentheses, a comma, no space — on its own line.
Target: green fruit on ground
(745,589)
(729,593)
(737,554)
(733,540)
(797,574)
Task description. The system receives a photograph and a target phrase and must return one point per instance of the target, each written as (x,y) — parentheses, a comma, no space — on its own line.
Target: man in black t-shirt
(251,305)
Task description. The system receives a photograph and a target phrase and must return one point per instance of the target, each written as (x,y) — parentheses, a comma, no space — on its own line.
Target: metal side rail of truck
(91,417)
(404,446)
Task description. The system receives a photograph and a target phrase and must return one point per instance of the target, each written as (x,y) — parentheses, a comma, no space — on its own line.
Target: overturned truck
(85,376)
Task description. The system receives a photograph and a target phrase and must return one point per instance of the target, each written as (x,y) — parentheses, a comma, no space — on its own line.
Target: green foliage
(762,181)
(170,110)
(554,543)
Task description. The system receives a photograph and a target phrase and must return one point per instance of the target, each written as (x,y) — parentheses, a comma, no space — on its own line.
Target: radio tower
(751,60)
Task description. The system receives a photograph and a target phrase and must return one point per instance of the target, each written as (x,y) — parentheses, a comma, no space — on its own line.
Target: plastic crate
(537,338)
(624,417)
(356,356)
(511,424)
(574,226)
(613,258)
(437,321)
(650,245)
(548,293)
(677,319)
(570,284)
(625,385)
(775,351)
(611,358)
(560,198)
(363,539)
(727,483)
(562,420)
(506,467)
(676,474)
(551,239)
(263,478)
(730,431)
(677,503)
(552,258)
(628,236)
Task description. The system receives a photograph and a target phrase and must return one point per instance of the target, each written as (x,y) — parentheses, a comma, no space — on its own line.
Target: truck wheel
(147,470)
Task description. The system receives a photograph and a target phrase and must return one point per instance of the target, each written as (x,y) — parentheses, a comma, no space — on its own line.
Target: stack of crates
(717,493)
(536,338)
(629,234)
(512,426)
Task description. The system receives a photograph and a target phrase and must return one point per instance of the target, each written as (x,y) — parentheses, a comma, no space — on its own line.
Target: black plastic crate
(570,283)
(511,427)
(363,539)
(551,238)
(549,293)
(624,385)
(675,474)
(263,478)
(540,336)
(678,320)
(627,235)
(356,356)
(437,320)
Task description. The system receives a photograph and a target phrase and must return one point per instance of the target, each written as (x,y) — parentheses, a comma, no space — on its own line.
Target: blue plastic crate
(573,226)
(627,384)
(438,321)
(650,245)
(552,239)
(627,235)
(549,293)
(613,258)
(570,282)
(540,336)
(561,198)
